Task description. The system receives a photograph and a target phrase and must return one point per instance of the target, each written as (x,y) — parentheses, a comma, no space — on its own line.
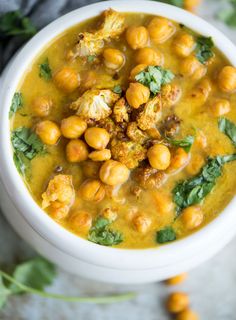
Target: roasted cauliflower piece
(92,43)
(151,114)
(95,104)
(135,134)
(170,95)
(120,111)
(59,194)
(129,153)
(149,178)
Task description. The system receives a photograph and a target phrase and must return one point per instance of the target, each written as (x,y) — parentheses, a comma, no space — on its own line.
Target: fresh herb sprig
(204,49)
(185,143)
(166,235)
(45,71)
(228,128)
(194,190)
(16,104)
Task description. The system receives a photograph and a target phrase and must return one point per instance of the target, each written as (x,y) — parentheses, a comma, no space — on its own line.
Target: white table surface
(212,286)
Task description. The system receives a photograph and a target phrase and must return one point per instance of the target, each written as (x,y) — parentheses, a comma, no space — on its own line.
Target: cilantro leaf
(45,71)
(4,293)
(204,49)
(20,162)
(165,235)
(101,234)
(194,190)
(16,103)
(185,143)
(154,77)
(229,128)
(91,58)
(117,89)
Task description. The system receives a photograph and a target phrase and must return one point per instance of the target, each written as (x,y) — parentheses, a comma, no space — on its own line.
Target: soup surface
(123,129)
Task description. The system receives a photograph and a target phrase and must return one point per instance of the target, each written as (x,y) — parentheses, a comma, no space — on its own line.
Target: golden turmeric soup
(124,130)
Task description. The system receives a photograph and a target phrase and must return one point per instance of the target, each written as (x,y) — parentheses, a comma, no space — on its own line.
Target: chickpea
(137,94)
(163,202)
(41,106)
(220,107)
(137,37)
(113,59)
(91,169)
(92,190)
(160,29)
(67,79)
(76,151)
(192,217)
(159,156)
(97,138)
(113,172)
(201,93)
(183,44)
(142,223)
(187,315)
(177,279)
(227,79)
(149,57)
(80,221)
(191,67)
(101,155)
(58,210)
(177,302)
(48,131)
(195,164)
(191,5)
(73,127)
(109,214)
(179,160)
(139,68)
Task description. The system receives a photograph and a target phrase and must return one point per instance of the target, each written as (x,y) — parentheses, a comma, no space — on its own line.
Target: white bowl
(59,245)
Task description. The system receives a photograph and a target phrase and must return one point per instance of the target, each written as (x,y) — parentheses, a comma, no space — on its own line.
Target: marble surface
(211,286)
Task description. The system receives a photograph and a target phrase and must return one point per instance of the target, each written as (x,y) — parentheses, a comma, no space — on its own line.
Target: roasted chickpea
(142,223)
(137,37)
(91,169)
(160,29)
(192,217)
(41,106)
(163,202)
(113,59)
(73,127)
(149,57)
(48,131)
(67,79)
(159,156)
(177,302)
(183,44)
(97,138)
(137,94)
(76,151)
(191,67)
(220,107)
(227,79)
(100,155)
(92,190)
(191,4)
(179,160)
(139,68)
(113,172)
(176,279)
(201,93)
(80,221)
(187,315)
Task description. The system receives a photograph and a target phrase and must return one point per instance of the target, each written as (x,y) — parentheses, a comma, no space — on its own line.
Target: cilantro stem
(97,300)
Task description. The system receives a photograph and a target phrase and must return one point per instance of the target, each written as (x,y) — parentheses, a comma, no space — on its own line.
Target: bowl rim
(50,230)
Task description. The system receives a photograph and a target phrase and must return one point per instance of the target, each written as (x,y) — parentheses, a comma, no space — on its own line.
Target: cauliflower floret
(129,153)
(92,43)
(60,193)
(170,95)
(95,104)
(149,178)
(120,111)
(151,114)
(135,134)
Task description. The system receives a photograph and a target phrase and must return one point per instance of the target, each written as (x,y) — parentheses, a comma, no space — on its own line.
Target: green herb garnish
(228,15)
(194,190)
(117,89)
(229,128)
(45,71)
(185,143)
(34,275)
(204,49)
(165,235)
(91,58)
(16,103)
(15,24)
(154,77)
(100,233)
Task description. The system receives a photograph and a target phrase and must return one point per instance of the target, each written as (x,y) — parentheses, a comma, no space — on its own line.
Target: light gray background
(212,286)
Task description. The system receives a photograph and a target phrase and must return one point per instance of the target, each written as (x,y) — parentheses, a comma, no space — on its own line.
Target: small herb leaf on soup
(20,162)
(45,71)
(100,233)
(16,104)
(4,293)
(185,143)
(204,49)
(91,58)
(228,128)
(165,235)
(117,89)
(154,77)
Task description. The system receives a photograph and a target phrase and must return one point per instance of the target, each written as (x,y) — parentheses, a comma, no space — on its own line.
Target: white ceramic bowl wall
(59,245)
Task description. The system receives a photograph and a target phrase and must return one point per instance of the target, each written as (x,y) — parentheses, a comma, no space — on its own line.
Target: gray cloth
(41,12)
